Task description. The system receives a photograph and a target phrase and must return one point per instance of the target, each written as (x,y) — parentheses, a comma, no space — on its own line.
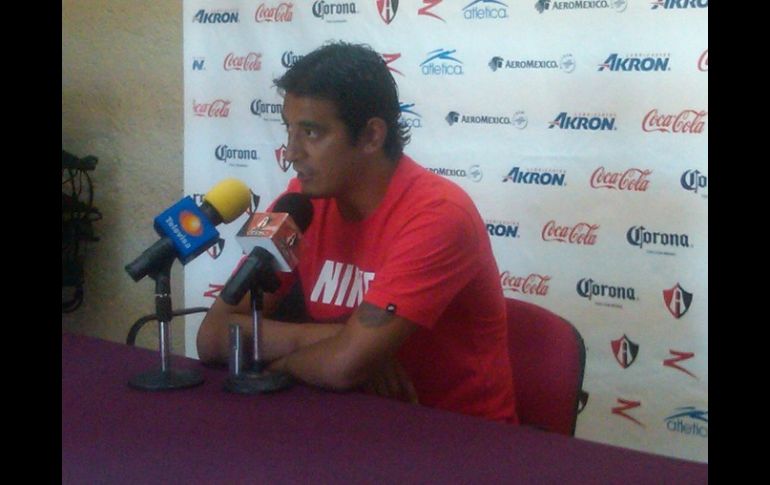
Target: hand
(391,381)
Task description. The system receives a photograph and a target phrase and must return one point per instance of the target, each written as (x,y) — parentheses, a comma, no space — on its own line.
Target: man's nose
(294,149)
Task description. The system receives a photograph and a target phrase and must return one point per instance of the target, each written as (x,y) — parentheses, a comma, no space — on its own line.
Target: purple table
(114,434)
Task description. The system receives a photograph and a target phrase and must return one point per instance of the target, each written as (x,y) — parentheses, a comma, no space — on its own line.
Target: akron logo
(625,351)
(677,300)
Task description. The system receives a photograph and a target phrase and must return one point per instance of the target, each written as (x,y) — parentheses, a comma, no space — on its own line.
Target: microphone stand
(165,377)
(257,379)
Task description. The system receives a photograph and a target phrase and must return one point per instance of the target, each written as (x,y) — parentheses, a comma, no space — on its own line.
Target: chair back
(548,359)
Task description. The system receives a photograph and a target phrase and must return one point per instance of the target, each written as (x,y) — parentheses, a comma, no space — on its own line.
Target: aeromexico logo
(474,172)
(565,63)
(518,119)
(341,284)
(552,5)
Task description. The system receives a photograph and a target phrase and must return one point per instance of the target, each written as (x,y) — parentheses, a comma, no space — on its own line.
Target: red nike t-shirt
(424,254)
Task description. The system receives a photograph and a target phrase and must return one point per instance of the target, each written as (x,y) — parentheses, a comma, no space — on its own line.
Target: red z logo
(429,4)
(626,405)
(213,291)
(678,357)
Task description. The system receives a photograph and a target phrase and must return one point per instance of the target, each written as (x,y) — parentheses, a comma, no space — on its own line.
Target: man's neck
(370,188)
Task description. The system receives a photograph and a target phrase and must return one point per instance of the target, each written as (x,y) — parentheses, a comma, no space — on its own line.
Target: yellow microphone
(187,230)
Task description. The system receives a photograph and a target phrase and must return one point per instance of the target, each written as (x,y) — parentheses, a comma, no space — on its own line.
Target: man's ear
(373,135)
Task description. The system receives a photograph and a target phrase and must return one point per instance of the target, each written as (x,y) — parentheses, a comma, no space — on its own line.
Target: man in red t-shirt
(397,256)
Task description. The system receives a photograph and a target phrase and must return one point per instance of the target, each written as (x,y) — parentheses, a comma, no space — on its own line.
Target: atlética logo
(485,9)
(280,158)
(689,420)
(387,10)
(625,351)
(677,300)
(678,4)
(440,62)
(409,117)
(216,250)
(427,7)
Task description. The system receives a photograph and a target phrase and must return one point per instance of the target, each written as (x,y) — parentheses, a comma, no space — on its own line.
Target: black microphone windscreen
(298,206)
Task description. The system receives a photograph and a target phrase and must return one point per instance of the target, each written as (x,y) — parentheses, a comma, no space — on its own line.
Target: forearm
(277,338)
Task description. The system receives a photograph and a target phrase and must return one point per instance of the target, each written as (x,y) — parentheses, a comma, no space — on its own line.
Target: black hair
(357,80)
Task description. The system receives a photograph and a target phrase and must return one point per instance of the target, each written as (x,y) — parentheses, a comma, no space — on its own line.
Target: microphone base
(158,380)
(252,382)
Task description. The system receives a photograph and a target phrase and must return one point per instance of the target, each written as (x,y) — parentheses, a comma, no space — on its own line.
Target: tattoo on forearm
(371,316)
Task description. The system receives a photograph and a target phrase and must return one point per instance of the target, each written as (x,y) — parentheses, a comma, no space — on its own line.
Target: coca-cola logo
(634,179)
(703,61)
(250,62)
(687,121)
(581,233)
(280,13)
(532,284)
(219,108)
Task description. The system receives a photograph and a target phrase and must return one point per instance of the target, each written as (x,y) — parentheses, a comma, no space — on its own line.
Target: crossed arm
(357,353)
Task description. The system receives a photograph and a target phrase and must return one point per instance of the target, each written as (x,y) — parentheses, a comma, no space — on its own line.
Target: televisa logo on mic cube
(275,232)
(188,227)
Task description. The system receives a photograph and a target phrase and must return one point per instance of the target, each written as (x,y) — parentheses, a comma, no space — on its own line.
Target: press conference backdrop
(580,130)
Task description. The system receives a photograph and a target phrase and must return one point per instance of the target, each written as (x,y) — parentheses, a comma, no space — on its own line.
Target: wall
(122,102)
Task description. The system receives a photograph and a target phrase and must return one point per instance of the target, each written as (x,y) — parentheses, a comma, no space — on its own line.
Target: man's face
(318,146)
